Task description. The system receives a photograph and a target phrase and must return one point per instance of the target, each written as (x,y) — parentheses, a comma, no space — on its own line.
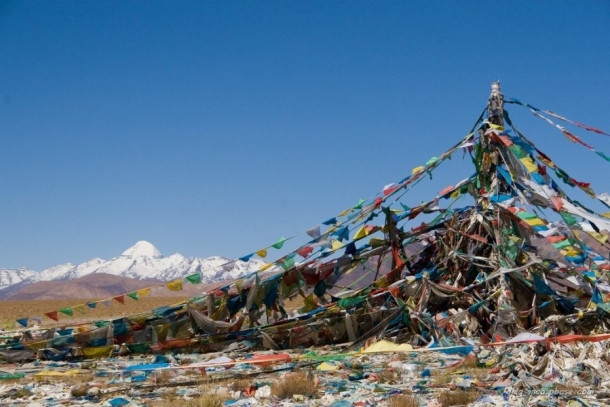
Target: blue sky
(214,128)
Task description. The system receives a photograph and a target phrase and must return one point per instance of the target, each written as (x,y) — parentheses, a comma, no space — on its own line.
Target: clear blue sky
(214,128)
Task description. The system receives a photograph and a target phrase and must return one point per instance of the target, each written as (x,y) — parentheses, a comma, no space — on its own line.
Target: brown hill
(101,285)
(97,285)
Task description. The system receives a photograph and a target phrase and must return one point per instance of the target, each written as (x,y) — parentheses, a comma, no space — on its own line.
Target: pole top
(496,105)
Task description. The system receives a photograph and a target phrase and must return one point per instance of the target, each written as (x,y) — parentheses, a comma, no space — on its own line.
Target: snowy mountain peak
(139,262)
(142,249)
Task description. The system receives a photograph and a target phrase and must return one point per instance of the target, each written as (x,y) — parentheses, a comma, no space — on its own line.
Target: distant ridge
(141,262)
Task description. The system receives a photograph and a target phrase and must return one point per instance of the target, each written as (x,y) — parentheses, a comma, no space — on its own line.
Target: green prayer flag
(568,218)
(133,295)
(279,243)
(194,278)
(431,161)
(350,302)
(602,155)
(67,311)
(288,263)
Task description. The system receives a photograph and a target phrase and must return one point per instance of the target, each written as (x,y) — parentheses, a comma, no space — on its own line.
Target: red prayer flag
(52,315)
(305,251)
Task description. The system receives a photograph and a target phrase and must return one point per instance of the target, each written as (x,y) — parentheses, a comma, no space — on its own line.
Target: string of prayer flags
(565,119)
(570,136)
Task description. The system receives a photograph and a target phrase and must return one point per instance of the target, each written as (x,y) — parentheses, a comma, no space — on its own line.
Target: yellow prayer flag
(8,325)
(535,222)
(265,267)
(600,237)
(360,233)
(418,169)
(337,245)
(144,292)
(175,285)
(529,164)
(327,367)
(262,253)
(80,308)
(345,212)
(495,126)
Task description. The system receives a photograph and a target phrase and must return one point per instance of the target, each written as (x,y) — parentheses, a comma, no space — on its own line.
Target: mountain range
(143,261)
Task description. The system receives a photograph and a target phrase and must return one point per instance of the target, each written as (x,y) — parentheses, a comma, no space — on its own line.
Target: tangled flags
(519,255)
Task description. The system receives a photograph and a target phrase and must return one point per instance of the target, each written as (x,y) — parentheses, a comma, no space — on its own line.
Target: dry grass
(468,367)
(458,397)
(10,310)
(205,400)
(303,383)
(403,400)
(77,379)
(163,377)
(240,384)
(469,363)
(211,397)
(80,390)
(387,376)
(20,394)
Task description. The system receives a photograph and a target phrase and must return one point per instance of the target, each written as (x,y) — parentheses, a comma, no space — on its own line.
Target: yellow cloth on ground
(72,372)
(387,346)
(327,367)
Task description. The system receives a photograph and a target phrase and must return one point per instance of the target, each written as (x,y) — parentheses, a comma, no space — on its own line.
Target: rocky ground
(513,375)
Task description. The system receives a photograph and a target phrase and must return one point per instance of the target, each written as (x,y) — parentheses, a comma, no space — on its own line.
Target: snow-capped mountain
(141,261)
(9,277)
